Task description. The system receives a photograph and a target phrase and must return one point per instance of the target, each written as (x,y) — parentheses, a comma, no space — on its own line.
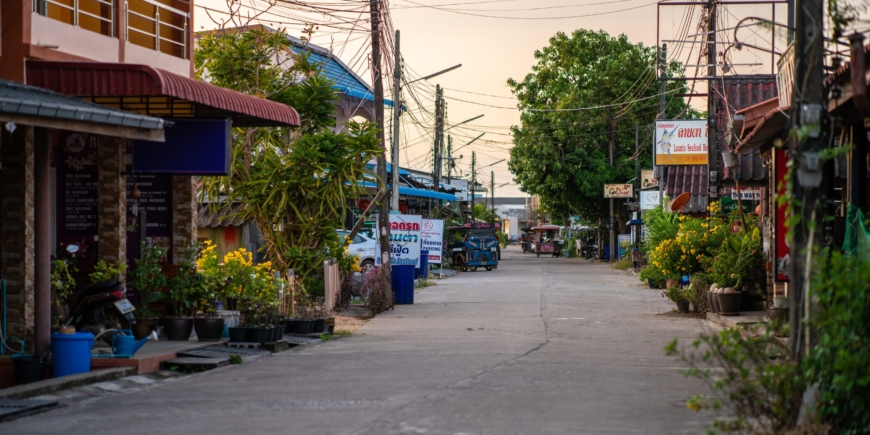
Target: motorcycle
(99,307)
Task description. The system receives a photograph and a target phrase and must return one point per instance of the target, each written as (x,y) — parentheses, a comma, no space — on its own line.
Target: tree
(294,183)
(561,153)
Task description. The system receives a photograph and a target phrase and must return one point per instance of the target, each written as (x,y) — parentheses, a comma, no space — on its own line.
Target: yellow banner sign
(681,142)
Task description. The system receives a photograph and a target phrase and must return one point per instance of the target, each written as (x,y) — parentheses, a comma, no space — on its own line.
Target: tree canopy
(586,92)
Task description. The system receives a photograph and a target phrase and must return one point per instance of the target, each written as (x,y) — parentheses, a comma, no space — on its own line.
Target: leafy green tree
(294,183)
(560,153)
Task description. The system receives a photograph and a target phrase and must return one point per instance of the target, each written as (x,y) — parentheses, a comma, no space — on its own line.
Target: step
(194,364)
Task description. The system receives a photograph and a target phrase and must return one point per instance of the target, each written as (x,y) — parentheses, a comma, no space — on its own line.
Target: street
(539,346)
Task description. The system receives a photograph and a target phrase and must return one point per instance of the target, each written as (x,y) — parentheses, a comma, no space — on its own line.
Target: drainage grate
(11,409)
(222,351)
(300,339)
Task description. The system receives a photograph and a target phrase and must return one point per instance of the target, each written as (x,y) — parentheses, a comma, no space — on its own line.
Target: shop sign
(405,240)
(649,199)
(618,191)
(647,179)
(747,194)
(432,235)
(681,142)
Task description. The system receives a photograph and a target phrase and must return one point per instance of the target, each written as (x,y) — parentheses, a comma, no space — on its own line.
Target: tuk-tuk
(527,241)
(547,240)
(470,248)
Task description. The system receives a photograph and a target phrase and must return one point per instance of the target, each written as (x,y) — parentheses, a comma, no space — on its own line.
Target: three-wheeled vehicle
(547,240)
(527,240)
(470,248)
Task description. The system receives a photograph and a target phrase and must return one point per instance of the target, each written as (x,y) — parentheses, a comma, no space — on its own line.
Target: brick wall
(112,203)
(17,230)
(184,206)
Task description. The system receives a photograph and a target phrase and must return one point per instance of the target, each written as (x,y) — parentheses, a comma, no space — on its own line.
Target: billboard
(618,191)
(432,235)
(681,142)
(647,179)
(649,199)
(404,240)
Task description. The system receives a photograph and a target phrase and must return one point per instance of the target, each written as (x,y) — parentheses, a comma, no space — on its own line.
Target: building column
(112,202)
(17,231)
(184,207)
(42,239)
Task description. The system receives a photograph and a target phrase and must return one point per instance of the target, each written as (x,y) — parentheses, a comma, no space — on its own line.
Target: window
(358,239)
(95,15)
(160,25)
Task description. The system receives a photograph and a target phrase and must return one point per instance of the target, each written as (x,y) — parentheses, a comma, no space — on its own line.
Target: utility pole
(397,111)
(473,182)
(712,128)
(807,199)
(449,158)
(439,136)
(492,190)
(663,66)
(637,181)
(384,209)
(612,220)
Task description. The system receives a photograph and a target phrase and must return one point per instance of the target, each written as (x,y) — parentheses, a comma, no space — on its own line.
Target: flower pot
(318,325)
(280,334)
(177,328)
(710,301)
(143,328)
(683,306)
(208,329)
(729,302)
(28,368)
(302,327)
(259,335)
(240,334)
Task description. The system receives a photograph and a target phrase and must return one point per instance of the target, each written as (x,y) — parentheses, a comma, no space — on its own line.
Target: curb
(58,384)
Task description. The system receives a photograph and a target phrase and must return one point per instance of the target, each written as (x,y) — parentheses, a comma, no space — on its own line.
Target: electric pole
(397,111)
(384,209)
(807,198)
(449,158)
(439,137)
(492,190)
(473,182)
(712,128)
(613,250)
(663,66)
(637,181)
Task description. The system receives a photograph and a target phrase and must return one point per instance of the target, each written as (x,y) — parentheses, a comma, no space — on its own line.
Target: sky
(437,34)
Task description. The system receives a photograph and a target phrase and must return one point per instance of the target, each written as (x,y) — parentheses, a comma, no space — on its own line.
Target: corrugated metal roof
(741,93)
(19,99)
(111,83)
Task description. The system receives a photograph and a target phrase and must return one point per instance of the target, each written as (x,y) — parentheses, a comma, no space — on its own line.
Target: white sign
(432,235)
(681,142)
(618,191)
(648,179)
(404,239)
(649,199)
(747,194)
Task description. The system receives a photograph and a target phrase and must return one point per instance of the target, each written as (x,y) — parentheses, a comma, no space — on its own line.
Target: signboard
(618,191)
(780,246)
(681,142)
(747,194)
(624,243)
(649,199)
(192,147)
(404,240)
(76,199)
(432,235)
(647,179)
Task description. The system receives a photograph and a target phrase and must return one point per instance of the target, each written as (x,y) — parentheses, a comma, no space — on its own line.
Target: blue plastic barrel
(403,284)
(423,270)
(71,353)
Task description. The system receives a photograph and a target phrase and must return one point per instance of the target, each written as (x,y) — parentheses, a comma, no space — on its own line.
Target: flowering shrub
(691,251)
(378,290)
(252,284)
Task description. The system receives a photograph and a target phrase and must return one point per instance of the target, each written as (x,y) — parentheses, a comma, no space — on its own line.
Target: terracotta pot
(729,302)
(208,329)
(714,297)
(710,301)
(177,328)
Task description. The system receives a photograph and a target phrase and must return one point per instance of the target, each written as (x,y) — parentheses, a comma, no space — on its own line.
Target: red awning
(151,91)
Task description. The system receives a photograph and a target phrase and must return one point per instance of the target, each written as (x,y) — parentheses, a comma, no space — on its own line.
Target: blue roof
(410,191)
(389,169)
(333,68)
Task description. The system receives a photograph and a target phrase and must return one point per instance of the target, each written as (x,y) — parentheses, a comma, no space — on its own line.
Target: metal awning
(152,91)
(30,105)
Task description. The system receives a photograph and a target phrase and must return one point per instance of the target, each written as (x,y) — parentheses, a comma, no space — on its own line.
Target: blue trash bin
(71,353)
(403,284)
(423,270)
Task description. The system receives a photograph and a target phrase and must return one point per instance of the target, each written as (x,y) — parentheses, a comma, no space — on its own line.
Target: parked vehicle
(547,240)
(471,248)
(99,307)
(363,247)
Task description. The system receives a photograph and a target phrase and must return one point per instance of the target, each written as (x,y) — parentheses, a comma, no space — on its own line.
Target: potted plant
(729,301)
(184,291)
(148,279)
(678,296)
(62,286)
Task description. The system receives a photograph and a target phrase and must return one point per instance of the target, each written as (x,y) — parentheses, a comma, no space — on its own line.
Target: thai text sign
(647,179)
(405,239)
(649,200)
(747,194)
(618,191)
(681,142)
(432,235)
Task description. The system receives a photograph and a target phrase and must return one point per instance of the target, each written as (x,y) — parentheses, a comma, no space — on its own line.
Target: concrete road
(539,346)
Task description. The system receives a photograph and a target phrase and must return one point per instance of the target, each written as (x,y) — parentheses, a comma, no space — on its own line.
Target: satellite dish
(680,201)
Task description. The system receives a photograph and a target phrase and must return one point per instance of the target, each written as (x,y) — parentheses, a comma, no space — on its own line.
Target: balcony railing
(150,23)
(785,76)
